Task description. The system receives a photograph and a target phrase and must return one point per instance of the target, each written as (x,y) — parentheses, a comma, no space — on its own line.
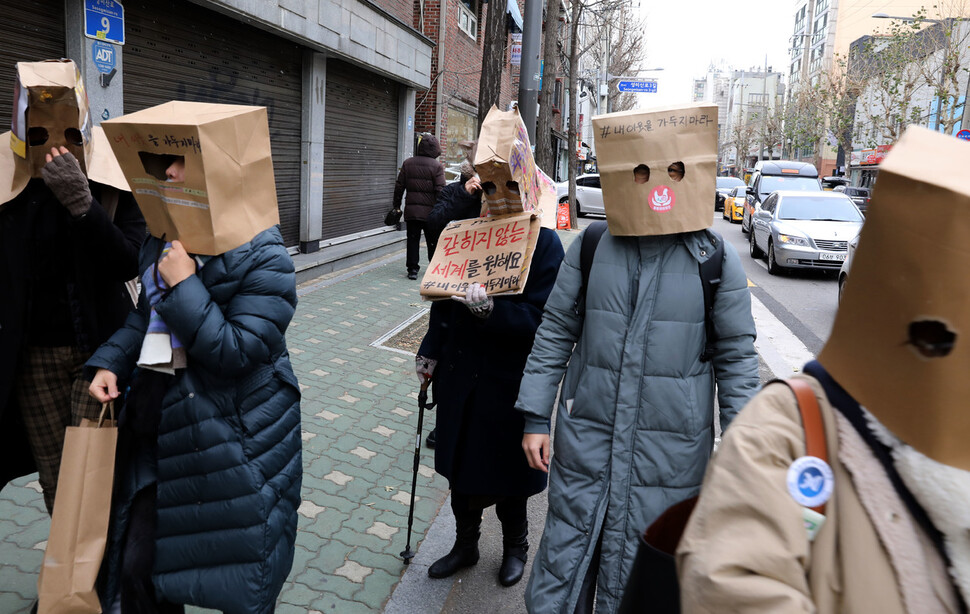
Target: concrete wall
(381,39)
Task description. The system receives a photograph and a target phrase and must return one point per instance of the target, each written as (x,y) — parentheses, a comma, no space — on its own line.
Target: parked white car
(589,195)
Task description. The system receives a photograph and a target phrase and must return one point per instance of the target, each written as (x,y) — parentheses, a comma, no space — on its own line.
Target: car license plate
(836,257)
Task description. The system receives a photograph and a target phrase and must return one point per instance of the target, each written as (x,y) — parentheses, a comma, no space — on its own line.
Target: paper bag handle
(106,407)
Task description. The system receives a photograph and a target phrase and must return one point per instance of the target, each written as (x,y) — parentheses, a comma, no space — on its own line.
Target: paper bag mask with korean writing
(505,164)
(900,344)
(657,169)
(229,193)
(50,110)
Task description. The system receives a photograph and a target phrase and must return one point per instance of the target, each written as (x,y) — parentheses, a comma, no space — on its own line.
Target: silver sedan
(805,231)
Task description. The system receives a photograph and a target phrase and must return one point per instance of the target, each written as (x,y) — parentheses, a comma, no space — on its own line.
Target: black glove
(63,175)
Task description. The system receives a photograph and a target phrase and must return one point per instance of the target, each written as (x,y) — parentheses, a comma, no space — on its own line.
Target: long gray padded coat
(229,463)
(635,421)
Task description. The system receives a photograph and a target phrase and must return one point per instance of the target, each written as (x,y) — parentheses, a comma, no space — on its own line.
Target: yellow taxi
(734,204)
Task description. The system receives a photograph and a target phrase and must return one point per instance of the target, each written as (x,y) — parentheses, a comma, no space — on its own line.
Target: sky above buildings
(685,36)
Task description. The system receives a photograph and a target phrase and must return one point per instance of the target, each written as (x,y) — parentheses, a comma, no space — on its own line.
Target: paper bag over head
(657,169)
(229,193)
(505,164)
(900,344)
(50,110)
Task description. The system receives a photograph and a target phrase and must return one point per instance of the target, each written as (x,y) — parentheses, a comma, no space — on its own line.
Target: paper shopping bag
(79,525)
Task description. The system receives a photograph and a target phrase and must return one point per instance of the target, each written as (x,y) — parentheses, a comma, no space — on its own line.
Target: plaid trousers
(52,395)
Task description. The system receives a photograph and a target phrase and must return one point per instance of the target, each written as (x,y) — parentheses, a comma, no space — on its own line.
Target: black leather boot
(465,551)
(515,553)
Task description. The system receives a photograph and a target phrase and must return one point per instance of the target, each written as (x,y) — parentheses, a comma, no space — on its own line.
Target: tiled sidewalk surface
(359,421)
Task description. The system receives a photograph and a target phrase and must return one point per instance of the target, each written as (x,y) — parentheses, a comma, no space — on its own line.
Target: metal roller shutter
(33,30)
(360,152)
(179,51)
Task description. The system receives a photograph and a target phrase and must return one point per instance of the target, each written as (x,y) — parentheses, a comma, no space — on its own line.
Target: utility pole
(529,74)
(764,112)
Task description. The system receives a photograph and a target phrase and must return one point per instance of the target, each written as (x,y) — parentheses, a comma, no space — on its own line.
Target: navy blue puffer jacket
(229,448)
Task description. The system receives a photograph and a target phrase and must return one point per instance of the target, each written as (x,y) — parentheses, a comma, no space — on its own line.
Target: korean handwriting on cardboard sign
(508,261)
(129,140)
(450,269)
(511,233)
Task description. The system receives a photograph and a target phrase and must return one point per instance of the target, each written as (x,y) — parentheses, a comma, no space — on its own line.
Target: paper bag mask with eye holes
(657,169)
(228,195)
(900,344)
(505,165)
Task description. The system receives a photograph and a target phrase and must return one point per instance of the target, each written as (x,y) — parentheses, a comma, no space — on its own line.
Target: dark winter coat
(480,363)
(228,461)
(422,176)
(454,203)
(98,256)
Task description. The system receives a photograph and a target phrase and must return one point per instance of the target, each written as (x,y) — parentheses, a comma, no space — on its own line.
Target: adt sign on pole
(642,86)
(964,135)
(104,20)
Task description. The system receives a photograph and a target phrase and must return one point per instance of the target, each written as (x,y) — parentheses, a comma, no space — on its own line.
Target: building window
(757,99)
(821,5)
(818,30)
(468,17)
(818,54)
(800,20)
(557,95)
(461,127)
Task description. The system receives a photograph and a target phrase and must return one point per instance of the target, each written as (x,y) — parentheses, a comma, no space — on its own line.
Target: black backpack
(710,271)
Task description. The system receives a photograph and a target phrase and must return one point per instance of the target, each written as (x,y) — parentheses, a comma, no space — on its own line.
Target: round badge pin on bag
(810,483)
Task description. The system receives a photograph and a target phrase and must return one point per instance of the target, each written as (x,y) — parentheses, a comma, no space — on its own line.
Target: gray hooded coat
(635,422)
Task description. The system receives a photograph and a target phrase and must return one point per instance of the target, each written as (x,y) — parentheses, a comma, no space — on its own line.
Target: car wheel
(744,230)
(773,267)
(579,210)
(753,248)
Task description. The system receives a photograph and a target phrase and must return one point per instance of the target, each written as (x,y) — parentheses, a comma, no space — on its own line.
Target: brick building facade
(449,109)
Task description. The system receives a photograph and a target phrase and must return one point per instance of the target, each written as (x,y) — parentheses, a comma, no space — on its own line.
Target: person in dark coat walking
(480,346)
(422,176)
(67,246)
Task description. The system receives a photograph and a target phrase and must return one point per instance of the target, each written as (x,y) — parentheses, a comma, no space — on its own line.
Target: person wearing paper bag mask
(209,434)
(892,387)
(475,349)
(635,417)
(69,238)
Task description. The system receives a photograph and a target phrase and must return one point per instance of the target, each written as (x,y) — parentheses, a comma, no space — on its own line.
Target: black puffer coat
(422,176)
(454,203)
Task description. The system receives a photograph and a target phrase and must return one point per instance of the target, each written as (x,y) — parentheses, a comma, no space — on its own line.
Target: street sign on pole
(104,20)
(642,86)
(964,135)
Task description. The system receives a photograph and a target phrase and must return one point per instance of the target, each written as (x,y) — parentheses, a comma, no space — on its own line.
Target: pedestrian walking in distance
(421,177)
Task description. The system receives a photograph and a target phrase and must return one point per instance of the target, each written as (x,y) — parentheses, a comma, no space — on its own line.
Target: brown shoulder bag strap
(811,422)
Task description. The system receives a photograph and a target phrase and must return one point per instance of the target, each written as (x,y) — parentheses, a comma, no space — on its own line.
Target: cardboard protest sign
(900,344)
(229,193)
(495,252)
(547,200)
(657,169)
(50,110)
(505,164)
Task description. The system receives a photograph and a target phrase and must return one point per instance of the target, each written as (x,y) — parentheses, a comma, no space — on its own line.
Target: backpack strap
(811,421)
(710,271)
(591,240)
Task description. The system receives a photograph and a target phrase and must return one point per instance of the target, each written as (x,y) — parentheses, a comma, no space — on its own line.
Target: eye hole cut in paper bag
(493,251)
(50,110)
(900,344)
(505,164)
(657,169)
(229,192)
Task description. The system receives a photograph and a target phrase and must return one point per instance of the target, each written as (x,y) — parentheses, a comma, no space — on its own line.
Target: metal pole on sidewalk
(529,73)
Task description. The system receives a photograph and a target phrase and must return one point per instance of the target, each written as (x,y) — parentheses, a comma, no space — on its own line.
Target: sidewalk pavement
(359,420)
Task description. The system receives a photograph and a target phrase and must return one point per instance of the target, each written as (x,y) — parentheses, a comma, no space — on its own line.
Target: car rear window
(823,209)
(771,183)
(728,182)
(857,191)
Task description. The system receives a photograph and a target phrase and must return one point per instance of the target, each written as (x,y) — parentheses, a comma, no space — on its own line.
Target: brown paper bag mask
(50,110)
(505,164)
(900,344)
(228,195)
(657,169)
